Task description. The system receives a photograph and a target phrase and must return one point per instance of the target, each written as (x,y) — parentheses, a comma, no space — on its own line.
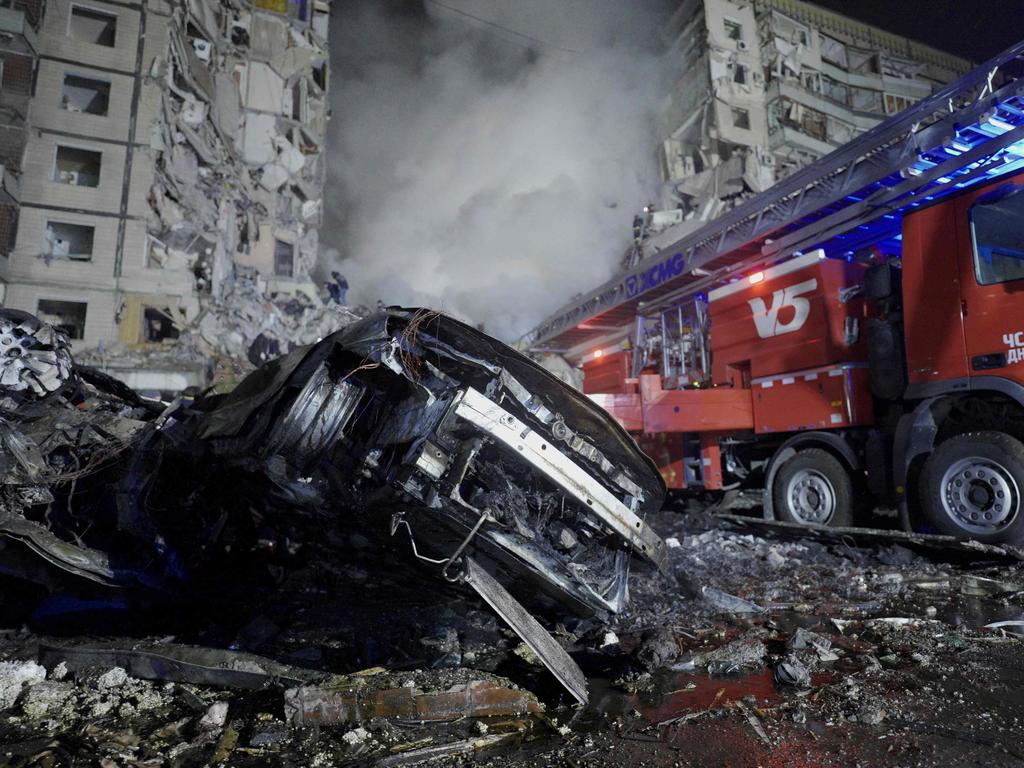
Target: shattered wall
(177,150)
(757,89)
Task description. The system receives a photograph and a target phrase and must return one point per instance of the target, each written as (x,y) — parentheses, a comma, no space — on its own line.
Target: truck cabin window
(997,229)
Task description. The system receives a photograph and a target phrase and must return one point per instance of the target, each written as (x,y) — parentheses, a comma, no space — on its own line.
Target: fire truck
(850,339)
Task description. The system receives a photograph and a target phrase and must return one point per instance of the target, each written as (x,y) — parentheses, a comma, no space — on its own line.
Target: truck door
(990,239)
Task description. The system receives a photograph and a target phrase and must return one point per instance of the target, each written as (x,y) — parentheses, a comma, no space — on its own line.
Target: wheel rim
(811,497)
(980,495)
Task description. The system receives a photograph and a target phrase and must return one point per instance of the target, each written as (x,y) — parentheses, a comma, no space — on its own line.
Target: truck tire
(814,488)
(971,487)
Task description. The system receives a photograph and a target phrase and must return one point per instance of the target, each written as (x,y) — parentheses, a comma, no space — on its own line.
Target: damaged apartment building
(159,157)
(761,88)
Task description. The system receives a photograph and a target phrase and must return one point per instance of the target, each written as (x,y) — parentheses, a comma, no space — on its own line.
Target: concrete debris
(804,638)
(745,653)
(114,678)
(216,716)
(356,736)
(658,649)
(251,323)
(16,676)
(907,690)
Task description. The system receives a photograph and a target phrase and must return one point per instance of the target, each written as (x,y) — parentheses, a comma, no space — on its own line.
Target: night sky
(974,29)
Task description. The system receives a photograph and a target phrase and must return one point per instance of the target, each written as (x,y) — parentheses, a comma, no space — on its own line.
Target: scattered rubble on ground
(822,677)
(754,644)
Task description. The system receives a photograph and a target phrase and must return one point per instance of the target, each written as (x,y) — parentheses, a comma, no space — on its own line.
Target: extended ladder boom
(970,130)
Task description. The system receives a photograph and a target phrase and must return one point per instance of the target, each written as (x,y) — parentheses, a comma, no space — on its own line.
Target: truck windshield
(997,229)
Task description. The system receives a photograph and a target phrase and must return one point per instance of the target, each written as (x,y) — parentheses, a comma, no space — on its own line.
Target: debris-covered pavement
(406,544)
(757,647)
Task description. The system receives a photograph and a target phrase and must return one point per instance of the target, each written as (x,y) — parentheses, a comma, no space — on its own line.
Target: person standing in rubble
(337,288)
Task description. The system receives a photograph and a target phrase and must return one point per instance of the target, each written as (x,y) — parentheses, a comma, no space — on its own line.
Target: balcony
(13,108)
(10,185)
(861,120)
(22,18)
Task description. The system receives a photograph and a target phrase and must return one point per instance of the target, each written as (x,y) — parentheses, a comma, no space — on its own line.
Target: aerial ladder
(851,338)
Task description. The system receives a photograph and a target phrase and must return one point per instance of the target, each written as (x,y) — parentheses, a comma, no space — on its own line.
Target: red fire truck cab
(891,379)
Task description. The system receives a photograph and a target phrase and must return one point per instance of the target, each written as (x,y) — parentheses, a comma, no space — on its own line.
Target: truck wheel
(814,488)
(971,487)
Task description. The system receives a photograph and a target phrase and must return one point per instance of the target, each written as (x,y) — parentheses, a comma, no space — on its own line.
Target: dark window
(67,316)
(69,241)
(83,94)
(8,228)
(320,75)
(78,167)
(739,74)
(297,100)
(92,26)
(157,325)
(283,258)
(740,118)
(733,29)
(997,229)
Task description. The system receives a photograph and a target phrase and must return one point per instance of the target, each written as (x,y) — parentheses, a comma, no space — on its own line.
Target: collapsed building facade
(170,156)
(761,88)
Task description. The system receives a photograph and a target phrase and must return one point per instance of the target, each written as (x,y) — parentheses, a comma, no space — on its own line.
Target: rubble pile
(361,554)
(820,677)
(250,323)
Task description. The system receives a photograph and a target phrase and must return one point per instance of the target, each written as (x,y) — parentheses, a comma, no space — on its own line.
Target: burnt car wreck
(407,426)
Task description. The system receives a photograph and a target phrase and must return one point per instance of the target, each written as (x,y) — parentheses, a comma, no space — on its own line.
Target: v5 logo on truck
(767,318)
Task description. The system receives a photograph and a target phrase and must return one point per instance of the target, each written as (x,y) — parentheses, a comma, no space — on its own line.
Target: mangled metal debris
(360,697)
(407,426)
(33,356)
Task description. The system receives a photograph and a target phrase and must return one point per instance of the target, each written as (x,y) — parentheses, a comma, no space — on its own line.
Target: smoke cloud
(490,166)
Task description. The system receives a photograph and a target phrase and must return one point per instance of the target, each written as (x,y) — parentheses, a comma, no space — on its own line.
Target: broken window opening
(92,26)
(8,228)
(733,29)
(85,94)
(741,118)
(320,76)
(69,241)
(298,102)
(66,316)
(307,145)
(201,46)
(894,103)
(284,258)
(158,325)
(863,62)
(790,30)
(739,74)
(77,167)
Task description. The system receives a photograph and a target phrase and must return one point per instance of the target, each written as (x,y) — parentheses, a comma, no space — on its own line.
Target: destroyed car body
(407,424)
